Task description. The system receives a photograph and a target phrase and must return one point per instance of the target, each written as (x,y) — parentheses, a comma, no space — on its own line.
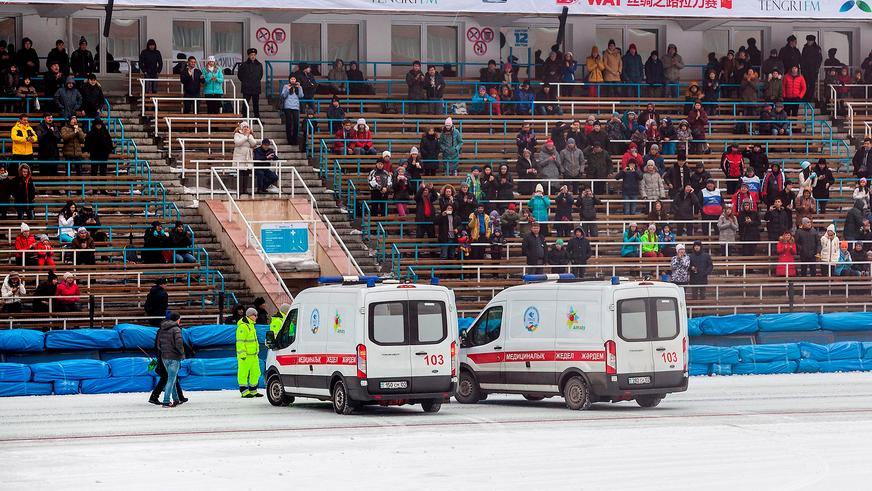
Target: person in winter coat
(563,212)
(571,163)
(534,249)
(749,228)
(652,186)
(633,71)
(558,257)
(650,242)
(25,241)
(446,224)
(546,102)
(23,192)
(786,250)
(526,138)
(680,264)
(73,140)
(613,64)
(630,239)
(794,87)
(630,178)
(172,352)
(862,160)
(161,371)
(789,54)
(539,205)
(655,74)
(58,55)
(587,204)
(67,294)
(480,230)
(425,211)
(44,252)
(250,74)
(49,137)
(757,159)
(805,206)
(93,100)
(825,180)
(68,99)
(700,268)
(82,242)
(551,68)
(732,163)
(155,238)
(772,63)
(672,65)
(99,146)
(807,246)
(416,90)
(829,250)
(401,190)
(595,67)
(150,65)
(82,60)
(632,155)
(568,67)
(380,186)
(677,176)
(579,251)
(244,143)
(52,81)
(434,88)
(774,184)
(547,160)
(509,221)
(26,58)
(429,152)
(810,62)
(47,289)
(344,138)
(191,79)
(854,221)
(338,76)
(778,220)
(11,292)
(599,166)
(684,206)
(450,146)
(213,86)
(728,227)
(524,99)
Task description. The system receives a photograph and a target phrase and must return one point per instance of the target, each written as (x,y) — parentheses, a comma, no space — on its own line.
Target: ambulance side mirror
(270,341)
(463,334)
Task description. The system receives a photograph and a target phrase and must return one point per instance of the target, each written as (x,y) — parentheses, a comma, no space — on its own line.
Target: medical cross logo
(850,4)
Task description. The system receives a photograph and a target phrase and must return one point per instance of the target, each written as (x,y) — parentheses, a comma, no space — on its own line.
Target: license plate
(639,380)
(394,385)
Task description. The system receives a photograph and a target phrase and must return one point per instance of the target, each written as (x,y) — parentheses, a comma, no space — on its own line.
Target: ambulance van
(360,343)
(589,341)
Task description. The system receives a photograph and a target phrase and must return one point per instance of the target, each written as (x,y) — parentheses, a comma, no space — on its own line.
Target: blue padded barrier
(698,369)
(65,387)
(764,368)
(729,324)
(210,367)
(197,382)
(115,385)
(69,370)
(713,354)
(21,340)
(72,339)
(847,321)
(9,389)
(799,321)
(209,335)
(807,365)
(721,369)
(14,372)
(130,367)
(845,365)
(137,337)
(693,326)
(769,352)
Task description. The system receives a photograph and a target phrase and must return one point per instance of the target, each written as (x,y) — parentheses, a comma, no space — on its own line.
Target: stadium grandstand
(231,155)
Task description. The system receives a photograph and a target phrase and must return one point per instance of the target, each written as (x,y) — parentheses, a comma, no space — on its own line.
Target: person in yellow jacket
(23,138)
(247,348)
(275,324)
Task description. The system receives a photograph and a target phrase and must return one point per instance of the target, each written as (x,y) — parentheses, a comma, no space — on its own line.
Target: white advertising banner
(779,9)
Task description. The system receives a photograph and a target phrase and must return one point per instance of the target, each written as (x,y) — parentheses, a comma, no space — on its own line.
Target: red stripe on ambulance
(531,356)
(318,359)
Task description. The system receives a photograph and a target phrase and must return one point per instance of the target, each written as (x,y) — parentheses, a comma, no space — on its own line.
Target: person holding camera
(292,94)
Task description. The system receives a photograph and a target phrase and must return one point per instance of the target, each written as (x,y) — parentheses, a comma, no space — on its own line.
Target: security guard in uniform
(275,324)
(247,349)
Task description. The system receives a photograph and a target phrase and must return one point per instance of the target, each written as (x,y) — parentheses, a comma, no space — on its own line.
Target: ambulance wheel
(275,392)
(530,397)
(577,394)
(341,403)
(468,391)
(649,401)
(432,406)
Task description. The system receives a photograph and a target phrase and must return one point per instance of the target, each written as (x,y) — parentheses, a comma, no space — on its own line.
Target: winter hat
(52,276)
(843,245)
(655,147)
(67,275)
(539,188)
(244,124)
(259,301)
(513,206)
(386,154)
(632,146)
(211,58)
(862,180)
(250,311)
(449,122)
(679,247)
(549,142)
(831,228)
(632,46)
(650,162)
(43,238)
(591,118)
(414,151)
(570,141)
(559,242)
(82,229)
(361,121)
(634,224)
(805,164)
(25,227)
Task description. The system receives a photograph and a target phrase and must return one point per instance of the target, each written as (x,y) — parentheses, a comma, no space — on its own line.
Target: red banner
(319,359)
(532,356)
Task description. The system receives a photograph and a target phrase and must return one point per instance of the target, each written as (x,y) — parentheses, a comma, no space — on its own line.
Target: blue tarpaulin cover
(9,389)
(69,370)
(211,366)
(83,339)
(698,369)
(209,335)
(867,350)
(845,365)
(693,326)
(722,369)
(198,382)
(134,336)
(729,324)
(261,330)
(807,365)
(799,321)
(135,366)
(713,354)
(843,350)
(768,352)
(19,340)
(846,321)
(464,323)
(764,368)
(65,387)
(14,372)
(118,384)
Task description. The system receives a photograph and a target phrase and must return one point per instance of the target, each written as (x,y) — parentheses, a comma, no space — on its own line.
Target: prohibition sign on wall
(479,39)
(262,34)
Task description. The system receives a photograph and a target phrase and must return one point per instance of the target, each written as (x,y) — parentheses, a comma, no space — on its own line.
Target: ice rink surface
(777,432)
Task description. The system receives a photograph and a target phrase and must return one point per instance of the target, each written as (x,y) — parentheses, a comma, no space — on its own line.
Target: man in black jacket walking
(150,65)
(156,302)
(250,74)
(161,371)
(533,247)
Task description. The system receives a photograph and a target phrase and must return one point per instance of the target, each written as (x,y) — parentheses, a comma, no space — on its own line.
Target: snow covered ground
(779,432)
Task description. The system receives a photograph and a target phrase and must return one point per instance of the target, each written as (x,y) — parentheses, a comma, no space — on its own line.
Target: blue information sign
(285,238)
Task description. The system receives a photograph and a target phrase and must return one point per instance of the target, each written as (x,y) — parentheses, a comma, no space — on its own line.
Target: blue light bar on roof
(370,281)
(530,278)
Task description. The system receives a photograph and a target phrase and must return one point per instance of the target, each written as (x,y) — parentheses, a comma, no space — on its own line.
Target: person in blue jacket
(633,72)
(524,97)
(214,85)
(481,102)
(632,240)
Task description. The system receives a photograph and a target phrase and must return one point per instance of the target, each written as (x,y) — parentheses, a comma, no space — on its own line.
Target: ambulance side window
(288,332)
(487,329)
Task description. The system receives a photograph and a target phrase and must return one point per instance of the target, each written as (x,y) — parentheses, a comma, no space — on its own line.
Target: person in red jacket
(731,164)
(344,138)
(24,242)
(44,251)
(67,294)
(794,88)
(632,155)
(362,144)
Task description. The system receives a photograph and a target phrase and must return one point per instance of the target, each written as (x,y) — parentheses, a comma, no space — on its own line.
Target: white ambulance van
(366,343)
(589,341)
